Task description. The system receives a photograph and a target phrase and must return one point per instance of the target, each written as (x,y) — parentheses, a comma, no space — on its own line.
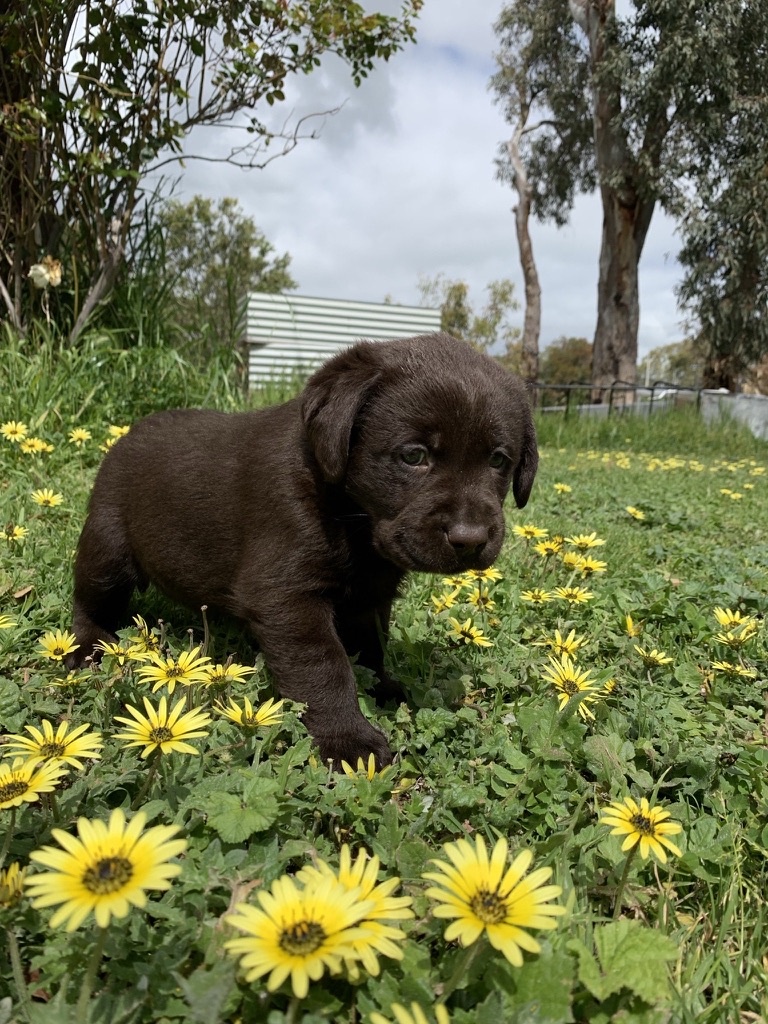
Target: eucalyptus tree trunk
(626,212)
(532,321)
(625,225)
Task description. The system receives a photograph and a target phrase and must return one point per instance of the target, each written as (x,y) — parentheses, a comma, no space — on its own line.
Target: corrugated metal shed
(291,335)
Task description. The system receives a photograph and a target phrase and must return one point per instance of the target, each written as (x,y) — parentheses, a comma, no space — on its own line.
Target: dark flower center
(174,673)
(52,750)
(488,906)
(161,735)
(58,652)
(642,823)
(302,938)
(108,875)
(10,790)
(568,686)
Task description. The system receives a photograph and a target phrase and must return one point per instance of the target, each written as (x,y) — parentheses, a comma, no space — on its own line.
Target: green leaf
(543,990)
(236,818)
(629,955)
(207,989)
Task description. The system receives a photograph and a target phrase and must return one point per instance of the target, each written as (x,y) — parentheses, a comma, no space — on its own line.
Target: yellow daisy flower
(366,768)
(737,638)
(163,730)
(574,595)
(653,657)
(22,782)
(47,498)
(443,602)
(61,747)
(730,619)
(119,651)
(529,532)
(642,824)
(484,896)
(35,446)
(467,633)
(536,596)
(728,668)
(636,513)
(14,534)
(297,933)
(454,582)
(361,876)
(57,645)
(11,884)
(413,1016)
(569,681)
(6,622)
(482,574)
(588,566)
(268,714)
(146,642)
(188,668)
(548,548)
(562,488)
(481,599)
(106,870)
(583,541)
(117,431)
(562,645)
(79,436)
(630,628)
(218,676)
(14,430)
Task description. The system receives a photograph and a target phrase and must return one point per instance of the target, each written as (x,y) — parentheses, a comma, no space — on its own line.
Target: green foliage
(98,94)
(213,256)
(676,97)
(486,328)
(541,61)
(681,362)
(566,361)
(484,746)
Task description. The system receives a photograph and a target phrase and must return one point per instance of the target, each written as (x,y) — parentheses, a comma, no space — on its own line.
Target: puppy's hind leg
(105,575)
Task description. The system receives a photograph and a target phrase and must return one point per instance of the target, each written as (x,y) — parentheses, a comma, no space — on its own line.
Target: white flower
(39,274)
(47,272)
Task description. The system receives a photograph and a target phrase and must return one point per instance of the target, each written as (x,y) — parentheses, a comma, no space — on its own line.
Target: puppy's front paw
(352,743)
(87,638)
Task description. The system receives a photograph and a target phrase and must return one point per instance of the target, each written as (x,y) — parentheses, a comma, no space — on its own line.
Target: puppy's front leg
(310,665)
(364,633)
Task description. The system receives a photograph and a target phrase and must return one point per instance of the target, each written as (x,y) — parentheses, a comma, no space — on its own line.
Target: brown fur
(302,519)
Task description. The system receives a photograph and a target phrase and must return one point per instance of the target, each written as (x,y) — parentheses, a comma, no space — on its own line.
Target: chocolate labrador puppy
(303,519)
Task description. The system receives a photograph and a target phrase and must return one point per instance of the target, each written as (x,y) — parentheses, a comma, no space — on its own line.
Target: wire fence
(618,397)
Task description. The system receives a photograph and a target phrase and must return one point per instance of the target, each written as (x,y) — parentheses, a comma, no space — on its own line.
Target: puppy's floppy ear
(331,401)
(525,470)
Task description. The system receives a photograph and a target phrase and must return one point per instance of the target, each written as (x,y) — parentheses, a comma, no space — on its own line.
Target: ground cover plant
(575,828)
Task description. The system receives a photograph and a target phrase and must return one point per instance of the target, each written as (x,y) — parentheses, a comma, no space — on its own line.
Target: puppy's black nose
(466,538)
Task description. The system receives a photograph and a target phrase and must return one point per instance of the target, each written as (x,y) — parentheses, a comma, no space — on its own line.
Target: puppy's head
(427,436)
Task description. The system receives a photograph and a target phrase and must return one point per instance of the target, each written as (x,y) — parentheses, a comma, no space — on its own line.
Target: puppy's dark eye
(498,460)
(414,456)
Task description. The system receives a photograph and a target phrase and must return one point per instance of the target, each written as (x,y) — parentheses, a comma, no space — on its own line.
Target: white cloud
(401,183)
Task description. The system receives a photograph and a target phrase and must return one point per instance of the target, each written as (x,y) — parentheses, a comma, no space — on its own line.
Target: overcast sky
(401,182)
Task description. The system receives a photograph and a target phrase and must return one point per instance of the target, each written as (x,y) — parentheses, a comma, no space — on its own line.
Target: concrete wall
(752,410)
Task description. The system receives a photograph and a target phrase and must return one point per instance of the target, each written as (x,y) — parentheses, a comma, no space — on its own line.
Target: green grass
(483,745)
